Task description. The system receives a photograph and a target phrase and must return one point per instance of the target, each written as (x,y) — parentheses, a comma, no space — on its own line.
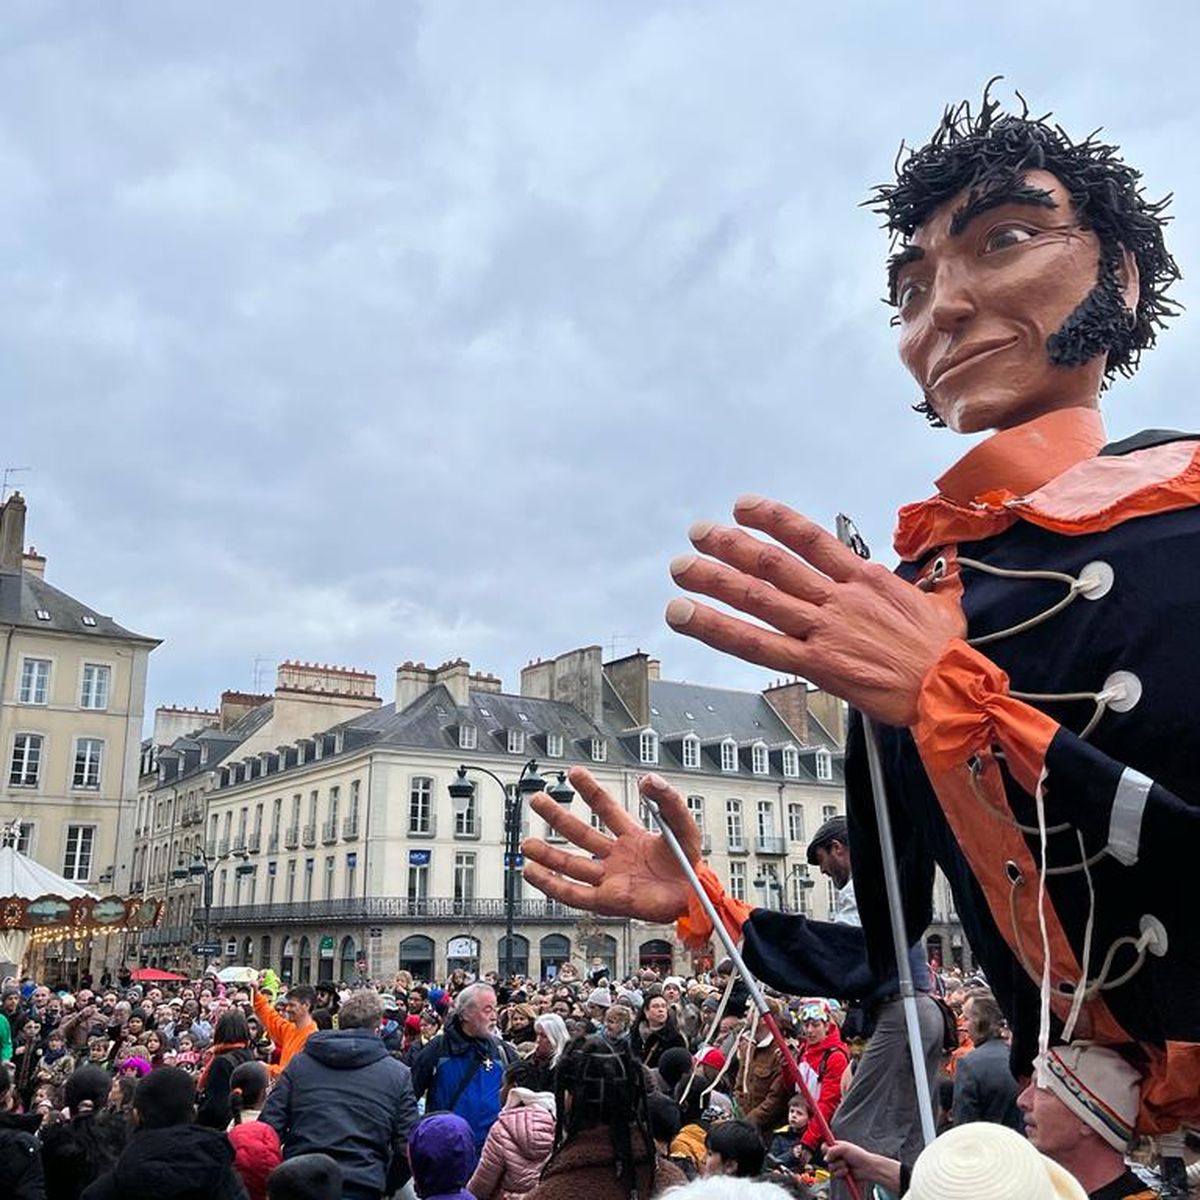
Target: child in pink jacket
(520,1141)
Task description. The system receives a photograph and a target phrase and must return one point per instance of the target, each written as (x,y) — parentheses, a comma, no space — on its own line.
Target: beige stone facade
(73,696)
(344,844)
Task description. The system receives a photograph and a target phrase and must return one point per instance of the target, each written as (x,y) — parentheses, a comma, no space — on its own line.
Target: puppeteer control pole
(850,536)
(756,994)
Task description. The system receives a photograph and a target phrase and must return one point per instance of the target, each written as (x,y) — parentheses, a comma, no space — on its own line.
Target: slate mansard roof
(24,597)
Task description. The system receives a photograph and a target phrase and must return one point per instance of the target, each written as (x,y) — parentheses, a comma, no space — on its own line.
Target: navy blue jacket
(344,1095)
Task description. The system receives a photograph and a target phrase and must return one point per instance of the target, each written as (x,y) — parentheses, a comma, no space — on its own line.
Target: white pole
(891,882)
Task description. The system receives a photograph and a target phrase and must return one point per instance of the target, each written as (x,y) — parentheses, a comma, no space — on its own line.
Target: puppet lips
(963,356)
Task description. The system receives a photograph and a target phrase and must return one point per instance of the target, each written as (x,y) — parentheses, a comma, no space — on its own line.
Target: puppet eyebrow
(898,262)
(981,202)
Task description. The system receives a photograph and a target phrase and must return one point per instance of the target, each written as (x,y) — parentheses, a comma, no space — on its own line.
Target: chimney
(790,701)
(33,563)
(831,712)
(235,705)
(456,676)
(630,677)
(575,677)
(12,534)
(413,680)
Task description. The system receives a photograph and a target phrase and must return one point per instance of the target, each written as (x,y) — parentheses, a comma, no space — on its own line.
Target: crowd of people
(489,1089)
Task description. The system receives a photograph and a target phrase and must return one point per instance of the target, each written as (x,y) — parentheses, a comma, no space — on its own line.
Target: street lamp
(529,783)
(205,866)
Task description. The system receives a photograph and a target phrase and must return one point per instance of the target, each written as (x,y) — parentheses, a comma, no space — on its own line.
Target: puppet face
(981,290)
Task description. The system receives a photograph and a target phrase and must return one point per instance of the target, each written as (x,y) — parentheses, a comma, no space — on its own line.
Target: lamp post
(529,783)
(205,866)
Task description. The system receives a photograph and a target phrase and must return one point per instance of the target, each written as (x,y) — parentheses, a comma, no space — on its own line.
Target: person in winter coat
(441,1151)
(346,1096)
(760,1083)
(603,1145)
(822,1064)
(20,1161)
(462,1068)
(655,1032)
(231,1048)
(786,1150)
(256,1148)
(168,1156)
(520,1141)
(77,1150)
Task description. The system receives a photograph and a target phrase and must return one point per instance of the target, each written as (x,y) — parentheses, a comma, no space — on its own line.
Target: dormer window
(691,751)
(758,758)
(648,747)
(599,750)
(791,762)
(42,614)
(824,766)
(516,741)
(554,745)
(729,755)
(467,737)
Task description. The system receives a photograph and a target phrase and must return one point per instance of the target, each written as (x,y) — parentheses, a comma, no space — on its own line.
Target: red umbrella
(154,975)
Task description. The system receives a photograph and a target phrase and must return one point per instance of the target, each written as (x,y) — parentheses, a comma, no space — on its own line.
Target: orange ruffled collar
(973,496)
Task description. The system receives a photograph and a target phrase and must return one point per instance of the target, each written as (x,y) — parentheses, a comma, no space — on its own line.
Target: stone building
(72,695)
(331,842)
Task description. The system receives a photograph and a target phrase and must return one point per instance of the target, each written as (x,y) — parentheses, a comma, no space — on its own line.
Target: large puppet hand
(631,874)
(847,625)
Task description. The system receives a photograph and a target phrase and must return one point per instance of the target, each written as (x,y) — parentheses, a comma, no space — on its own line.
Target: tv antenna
(4,483)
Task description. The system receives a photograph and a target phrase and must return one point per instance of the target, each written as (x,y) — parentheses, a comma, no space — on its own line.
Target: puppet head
(1083,216)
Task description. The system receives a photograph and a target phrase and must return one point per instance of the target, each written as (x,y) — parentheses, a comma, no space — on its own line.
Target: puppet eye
(906,293)
(1004,236)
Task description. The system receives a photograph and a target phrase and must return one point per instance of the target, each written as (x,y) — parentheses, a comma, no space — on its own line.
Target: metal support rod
(791,1068)
(891,881)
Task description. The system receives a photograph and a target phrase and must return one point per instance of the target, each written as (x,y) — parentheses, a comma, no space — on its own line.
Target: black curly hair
(989,150)
(606,1087)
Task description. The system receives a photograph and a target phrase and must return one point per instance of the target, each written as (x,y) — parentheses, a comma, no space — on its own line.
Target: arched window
(264,952)
(729,755)
(555,951)
(518,963)
(462,954)
(304,962)
(247,951)
(416,957)
(287,961)
(603,953)
(691,751)
(348,958)
(657,955)
(648,747)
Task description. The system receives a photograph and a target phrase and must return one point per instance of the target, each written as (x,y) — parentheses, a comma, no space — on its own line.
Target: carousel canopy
(21,876)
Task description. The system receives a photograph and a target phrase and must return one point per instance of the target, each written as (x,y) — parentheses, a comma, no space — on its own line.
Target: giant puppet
(1033,664)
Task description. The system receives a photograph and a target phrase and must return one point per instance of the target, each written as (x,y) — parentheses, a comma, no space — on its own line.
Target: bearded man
(1029,665)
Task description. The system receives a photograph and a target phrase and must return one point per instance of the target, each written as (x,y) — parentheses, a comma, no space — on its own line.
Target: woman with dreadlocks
(1030,667)
(603,1145)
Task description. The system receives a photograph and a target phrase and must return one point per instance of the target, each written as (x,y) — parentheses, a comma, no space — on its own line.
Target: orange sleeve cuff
(694,928)
(964,707)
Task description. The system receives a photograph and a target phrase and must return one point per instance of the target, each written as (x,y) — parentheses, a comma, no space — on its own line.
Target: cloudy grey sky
(374,331)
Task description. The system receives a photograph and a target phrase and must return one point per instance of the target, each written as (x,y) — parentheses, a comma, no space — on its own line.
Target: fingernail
(679,612)
(680,563)
(748,501)
(700,530)
(654,781)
